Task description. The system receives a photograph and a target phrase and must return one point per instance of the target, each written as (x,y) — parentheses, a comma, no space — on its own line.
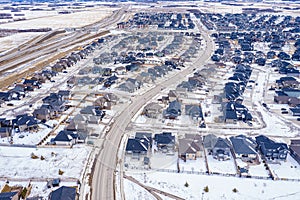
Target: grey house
(270,149)
(209,142)
(194,111)
(42,114)
(221,150)
(64,193)
(173,111)
(127,87)
(244,148)
(295,150)
(152,110)
(165,141)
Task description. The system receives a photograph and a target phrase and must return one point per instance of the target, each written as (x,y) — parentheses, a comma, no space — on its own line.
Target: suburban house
(145,135)
(68,138)
(31,83)
(152,110)
(244,148)
(234,111)
(221,149)
(190,147)
(270,149)
(295,149)
(66,94)
(165,141)
(209,142)
(106,101)
(5,132)
(25,123)
(42,114)
(77,125)
(173,111)
(137,147)
(64,193)
(6,96)
(291,92)
(295,111)
(128,86)
(194,111)
(55,103)
(173,95)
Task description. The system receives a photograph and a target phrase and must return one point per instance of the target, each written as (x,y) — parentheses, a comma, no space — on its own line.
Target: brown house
(190,147)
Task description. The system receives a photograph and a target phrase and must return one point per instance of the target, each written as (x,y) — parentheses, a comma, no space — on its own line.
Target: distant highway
(106,162)
(49,44)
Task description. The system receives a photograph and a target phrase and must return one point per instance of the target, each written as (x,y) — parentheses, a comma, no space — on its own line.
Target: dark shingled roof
(63,193)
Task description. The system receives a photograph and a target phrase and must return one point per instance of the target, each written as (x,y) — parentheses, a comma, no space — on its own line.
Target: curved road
(106,162)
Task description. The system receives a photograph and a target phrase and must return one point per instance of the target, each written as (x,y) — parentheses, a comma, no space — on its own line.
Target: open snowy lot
(219,187)
(73,20)
(18,162)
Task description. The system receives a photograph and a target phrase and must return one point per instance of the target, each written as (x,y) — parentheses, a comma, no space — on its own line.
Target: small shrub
(206,189)
(186,184)
(34,156)
(234,190)
(23,193)
(60,172)
(42,158)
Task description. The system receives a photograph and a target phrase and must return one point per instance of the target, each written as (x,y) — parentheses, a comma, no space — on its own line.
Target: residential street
(103,178)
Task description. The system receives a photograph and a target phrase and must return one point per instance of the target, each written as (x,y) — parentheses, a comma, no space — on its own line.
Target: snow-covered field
(73,20)
(219,187)
(17,162)
(15,40)
(137,192)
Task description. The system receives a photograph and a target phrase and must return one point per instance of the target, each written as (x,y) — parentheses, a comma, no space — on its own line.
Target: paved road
(103,178)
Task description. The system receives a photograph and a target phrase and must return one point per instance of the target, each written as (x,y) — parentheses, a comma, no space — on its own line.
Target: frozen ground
(286,169)
(137,192)
(219,187)
(73,20)
(28,138)
(224,167)
(15,40)
(17,162)
(193,165)
(162,161)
